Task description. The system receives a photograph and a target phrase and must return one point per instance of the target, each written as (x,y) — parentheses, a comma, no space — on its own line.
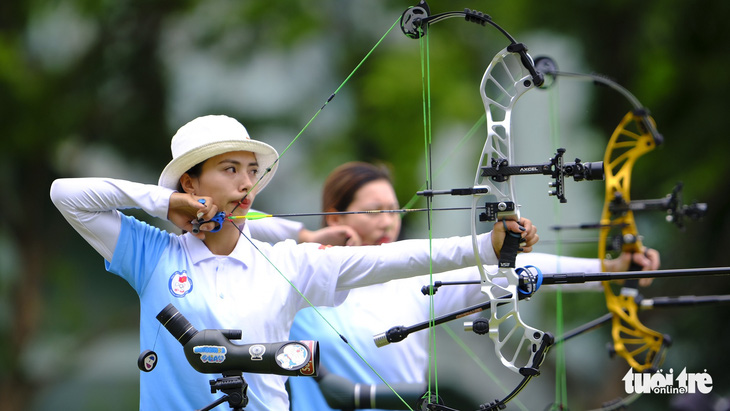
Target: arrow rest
(493,210)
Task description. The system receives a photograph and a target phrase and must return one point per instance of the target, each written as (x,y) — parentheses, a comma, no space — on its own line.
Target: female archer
(356,187)
(217,278)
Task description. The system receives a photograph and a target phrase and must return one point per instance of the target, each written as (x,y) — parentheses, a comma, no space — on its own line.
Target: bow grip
(630,287)
(633,266)
(510,248)
(632,284)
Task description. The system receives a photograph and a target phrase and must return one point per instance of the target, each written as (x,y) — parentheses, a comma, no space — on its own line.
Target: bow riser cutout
(516,344)
(641,347)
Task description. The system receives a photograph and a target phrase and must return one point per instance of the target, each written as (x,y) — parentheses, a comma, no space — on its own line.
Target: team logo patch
(180,284)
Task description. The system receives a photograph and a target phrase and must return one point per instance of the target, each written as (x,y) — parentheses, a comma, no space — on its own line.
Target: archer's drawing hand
(185,208)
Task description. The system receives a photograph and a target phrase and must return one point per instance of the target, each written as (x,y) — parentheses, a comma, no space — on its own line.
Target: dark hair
(344,181)
(194,171)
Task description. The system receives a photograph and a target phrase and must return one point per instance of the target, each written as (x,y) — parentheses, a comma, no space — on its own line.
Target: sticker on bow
(211,353)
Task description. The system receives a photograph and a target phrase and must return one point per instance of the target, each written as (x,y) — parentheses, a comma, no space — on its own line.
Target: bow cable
(424,49)
(561,381)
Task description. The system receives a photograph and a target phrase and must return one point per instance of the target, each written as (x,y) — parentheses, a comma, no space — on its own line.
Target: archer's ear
(332,220)
(186,183)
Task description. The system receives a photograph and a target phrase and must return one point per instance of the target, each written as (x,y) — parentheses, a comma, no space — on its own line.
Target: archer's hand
(527,231)
(332,235)
(184,208)
(649,260)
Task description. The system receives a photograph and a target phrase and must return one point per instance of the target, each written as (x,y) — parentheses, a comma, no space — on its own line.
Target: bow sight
(500,170)
(671,203)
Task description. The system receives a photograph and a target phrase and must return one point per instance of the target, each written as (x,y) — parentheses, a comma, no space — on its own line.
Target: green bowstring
(329,99)
(561,385)
(427,125)
(316,114)
(426,95)
(427,137)
(433,366)
(460,342)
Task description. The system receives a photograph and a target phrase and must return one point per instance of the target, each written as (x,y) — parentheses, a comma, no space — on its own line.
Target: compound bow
(520,347)
(642,348)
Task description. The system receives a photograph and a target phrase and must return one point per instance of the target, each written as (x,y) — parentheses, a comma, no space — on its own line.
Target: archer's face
(373,229)
(227,178)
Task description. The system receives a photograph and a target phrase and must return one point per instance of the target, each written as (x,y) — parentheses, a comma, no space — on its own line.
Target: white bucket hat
(209,136)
